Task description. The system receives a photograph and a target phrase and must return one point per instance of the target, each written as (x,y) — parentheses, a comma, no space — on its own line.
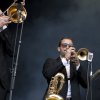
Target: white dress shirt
(67,66)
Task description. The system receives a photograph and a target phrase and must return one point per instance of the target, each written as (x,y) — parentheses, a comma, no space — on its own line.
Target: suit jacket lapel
(72,69)
(64,69)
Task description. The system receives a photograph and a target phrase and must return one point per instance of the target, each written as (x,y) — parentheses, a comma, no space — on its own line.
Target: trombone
(83,54)
(16,12)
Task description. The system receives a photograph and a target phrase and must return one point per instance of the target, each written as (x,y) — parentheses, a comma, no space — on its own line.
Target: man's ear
(58,49)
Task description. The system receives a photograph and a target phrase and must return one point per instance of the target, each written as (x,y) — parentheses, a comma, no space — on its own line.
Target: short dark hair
(59,43)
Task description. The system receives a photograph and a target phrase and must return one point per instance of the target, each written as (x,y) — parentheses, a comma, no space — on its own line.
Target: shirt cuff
(77,67)
(2,28)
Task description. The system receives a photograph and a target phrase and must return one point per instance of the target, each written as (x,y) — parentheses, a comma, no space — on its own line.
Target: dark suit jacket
(53,66)
(5,49)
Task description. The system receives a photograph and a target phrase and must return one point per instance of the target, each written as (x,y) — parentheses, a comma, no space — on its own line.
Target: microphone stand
(91,80)
(90,57)
(89,75)
(15,60)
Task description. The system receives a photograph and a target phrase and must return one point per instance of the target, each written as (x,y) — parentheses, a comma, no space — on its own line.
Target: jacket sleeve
(5,36)
(51,67)
(82,76)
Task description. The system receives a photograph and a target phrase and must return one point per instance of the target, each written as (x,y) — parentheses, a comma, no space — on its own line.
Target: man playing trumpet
(69,64)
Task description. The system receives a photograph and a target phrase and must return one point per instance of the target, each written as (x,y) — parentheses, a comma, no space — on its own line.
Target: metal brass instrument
(13,13)
(82,54)
(96,74)
(55,86)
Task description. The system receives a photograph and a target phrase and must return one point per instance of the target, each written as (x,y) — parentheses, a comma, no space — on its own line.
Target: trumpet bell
(82,54)
(12,12)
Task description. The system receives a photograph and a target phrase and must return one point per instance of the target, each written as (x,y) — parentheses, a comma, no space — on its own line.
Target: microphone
(90,56)
(96,74)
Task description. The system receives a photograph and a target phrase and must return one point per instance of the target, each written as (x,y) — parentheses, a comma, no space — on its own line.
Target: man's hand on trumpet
(68,52)
(74,58)
(71,54)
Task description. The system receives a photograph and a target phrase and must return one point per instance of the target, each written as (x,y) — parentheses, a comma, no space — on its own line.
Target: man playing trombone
(6,48)
(4,20)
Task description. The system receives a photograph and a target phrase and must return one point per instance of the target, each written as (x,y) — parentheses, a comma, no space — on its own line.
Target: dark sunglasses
(64,45)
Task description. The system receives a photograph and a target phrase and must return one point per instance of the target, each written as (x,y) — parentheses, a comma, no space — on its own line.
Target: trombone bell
(82,54)
(12,12)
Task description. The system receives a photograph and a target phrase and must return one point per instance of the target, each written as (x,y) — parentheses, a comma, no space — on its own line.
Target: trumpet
(16,15)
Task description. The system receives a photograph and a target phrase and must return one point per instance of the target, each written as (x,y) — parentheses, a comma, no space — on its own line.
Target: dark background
(47,21)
